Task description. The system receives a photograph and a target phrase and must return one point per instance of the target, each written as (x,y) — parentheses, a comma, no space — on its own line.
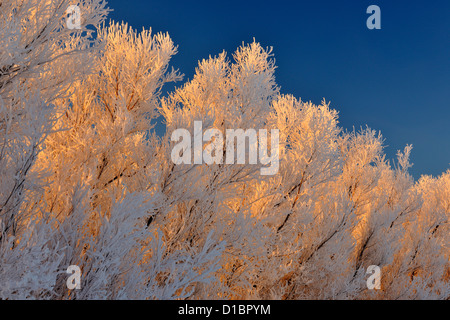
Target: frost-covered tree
(84,179)
(39,60)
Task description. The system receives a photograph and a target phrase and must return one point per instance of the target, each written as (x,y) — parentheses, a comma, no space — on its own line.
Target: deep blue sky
(396,80)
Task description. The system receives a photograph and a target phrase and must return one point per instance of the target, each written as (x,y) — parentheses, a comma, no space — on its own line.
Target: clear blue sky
(396,80)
